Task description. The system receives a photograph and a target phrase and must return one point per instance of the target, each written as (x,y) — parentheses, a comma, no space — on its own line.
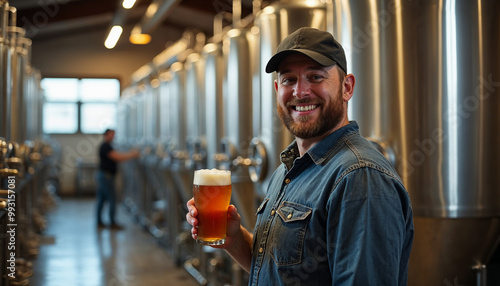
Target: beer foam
(212,177)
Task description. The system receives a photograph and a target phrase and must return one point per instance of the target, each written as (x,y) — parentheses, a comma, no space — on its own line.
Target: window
(79,105)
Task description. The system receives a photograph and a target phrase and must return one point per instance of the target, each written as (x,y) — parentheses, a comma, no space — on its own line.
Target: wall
(73,148)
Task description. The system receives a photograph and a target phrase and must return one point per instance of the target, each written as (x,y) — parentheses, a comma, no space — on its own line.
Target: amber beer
(212,193)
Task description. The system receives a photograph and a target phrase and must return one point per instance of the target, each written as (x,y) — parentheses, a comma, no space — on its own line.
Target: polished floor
(75,253)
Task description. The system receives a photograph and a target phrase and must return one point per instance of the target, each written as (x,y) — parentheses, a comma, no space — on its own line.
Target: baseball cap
(320,46)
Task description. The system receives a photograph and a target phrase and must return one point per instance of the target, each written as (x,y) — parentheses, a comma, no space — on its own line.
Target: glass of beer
(212,193)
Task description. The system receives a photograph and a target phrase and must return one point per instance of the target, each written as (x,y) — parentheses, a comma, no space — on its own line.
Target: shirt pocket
(287,239)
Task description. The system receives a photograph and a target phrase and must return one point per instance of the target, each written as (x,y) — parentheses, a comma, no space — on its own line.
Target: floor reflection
(83,255)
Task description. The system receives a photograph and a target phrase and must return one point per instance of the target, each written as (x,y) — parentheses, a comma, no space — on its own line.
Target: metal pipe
(175,52)
(256,7)
(157,11)
(236,13)
(480,271)
(13,16)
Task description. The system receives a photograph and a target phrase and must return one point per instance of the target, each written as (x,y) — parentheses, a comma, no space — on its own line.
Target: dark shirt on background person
(105,177)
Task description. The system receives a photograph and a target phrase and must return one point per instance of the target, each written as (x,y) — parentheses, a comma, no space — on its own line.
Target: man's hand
(232,227)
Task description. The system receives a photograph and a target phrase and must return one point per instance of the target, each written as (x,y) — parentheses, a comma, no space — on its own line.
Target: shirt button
(273,212)
(289,216)
(287,180)
(261,250)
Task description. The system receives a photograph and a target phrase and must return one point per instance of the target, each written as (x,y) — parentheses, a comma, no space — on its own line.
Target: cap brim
(274,62)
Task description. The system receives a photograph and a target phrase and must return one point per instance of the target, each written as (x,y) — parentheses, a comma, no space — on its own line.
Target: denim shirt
(339,215)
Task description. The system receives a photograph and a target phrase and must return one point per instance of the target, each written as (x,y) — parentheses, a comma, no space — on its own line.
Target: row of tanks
(426,96)
(27,167)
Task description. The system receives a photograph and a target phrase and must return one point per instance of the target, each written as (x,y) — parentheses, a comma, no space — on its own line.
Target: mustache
(297,101)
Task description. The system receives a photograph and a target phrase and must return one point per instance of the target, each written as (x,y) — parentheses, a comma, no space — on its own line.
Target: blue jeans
(105,192)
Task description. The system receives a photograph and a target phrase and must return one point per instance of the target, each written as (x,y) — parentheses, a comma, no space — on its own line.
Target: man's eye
(287,80)
(316,78)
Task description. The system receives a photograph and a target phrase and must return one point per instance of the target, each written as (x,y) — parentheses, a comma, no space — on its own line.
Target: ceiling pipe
(157,11)
(256,7)
(218,25)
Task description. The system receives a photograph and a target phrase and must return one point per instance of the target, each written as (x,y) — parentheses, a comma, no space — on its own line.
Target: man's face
(109,136)
(310,101)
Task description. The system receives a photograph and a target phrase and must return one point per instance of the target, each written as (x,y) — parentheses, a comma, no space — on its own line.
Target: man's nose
(301,89)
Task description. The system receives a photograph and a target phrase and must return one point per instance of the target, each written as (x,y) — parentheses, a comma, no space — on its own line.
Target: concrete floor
(76,253)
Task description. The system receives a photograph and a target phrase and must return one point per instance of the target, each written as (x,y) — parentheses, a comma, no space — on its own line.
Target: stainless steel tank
(123,117)
(140,102)
(275,22)
(4,74)
(178,124)
(214,104)
(427,80)
(40,95)
(164,128)
(150,110)
(32,78)
(195,110)
(238,46)
(32,106)
(18,54)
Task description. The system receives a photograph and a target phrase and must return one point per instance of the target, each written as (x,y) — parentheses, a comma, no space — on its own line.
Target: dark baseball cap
(320,46)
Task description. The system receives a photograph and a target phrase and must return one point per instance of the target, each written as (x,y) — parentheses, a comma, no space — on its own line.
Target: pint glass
(212,193)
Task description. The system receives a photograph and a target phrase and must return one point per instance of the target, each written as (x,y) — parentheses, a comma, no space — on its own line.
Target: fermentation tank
(150,95)
(164,127)
(182,174)
(238,45)
(168,83)
(18,60)
(274,23)
(123,115)
(195,114)
(427,94)
(5,73)
(214,104)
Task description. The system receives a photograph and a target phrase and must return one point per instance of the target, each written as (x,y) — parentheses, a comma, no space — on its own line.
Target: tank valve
(258,156)
(3,203)
(198,153)
(246,162)
(5,172)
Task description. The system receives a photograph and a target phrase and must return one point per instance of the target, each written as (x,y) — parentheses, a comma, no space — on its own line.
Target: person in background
(108,159)
(335,212)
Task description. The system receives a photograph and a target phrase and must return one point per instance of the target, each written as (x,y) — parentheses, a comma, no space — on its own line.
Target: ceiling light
(137,37)
(152,8)
(127,4)
(113,37)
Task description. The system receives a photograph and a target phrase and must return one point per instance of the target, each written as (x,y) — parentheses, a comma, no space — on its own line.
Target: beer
(212,193)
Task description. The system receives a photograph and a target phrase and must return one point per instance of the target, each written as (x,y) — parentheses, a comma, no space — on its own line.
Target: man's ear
(348,87)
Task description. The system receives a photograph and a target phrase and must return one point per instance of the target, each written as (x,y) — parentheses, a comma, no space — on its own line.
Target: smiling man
(336,212)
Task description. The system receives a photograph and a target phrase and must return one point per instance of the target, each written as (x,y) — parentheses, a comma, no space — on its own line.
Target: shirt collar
(320,151)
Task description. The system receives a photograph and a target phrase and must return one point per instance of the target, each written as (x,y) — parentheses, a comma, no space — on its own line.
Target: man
(108,158)
(336,212)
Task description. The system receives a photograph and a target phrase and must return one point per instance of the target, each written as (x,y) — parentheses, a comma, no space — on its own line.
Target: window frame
(79,103)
